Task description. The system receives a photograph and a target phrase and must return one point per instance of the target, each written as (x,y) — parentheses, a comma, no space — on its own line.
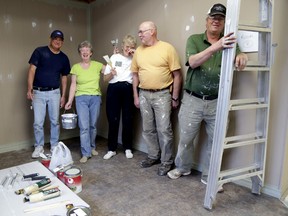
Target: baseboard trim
(267,189)
(285,201)
(16,146)
(29,143)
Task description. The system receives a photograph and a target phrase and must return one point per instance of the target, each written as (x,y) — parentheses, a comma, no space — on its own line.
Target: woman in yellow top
(86,89)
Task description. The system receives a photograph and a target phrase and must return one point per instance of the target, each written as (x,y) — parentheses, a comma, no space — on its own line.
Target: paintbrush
(107,59)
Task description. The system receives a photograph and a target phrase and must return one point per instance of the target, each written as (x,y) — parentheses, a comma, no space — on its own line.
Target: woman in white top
(120,98)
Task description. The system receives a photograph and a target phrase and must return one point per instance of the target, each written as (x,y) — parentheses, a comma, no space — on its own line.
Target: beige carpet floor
(120,187)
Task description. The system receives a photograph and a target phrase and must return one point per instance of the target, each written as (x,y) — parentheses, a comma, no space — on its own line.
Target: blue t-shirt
(49,67)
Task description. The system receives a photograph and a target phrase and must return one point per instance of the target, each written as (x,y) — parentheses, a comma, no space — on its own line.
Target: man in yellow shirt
(156,86)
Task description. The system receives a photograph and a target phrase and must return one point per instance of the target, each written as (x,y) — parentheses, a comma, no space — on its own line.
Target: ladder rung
(254,28)
(256,68)
(251,63)
(240,173)
(226,173)
(253,23)
(251,106)
(247,101)
(250,103)
(244,143)
(241,176)
(242,137)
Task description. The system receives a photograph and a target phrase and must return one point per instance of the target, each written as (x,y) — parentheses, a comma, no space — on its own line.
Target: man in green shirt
(199,102)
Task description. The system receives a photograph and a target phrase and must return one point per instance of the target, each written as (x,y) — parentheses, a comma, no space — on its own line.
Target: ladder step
(226,173)
(244,143)
(243,140)
(256,68)
(242,137)
(250,103)
(240,173)
(252,106)
(253,24)
(254,28)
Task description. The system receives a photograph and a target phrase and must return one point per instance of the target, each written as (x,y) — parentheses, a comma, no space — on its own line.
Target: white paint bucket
(79,210)
(73,179)
(69,120)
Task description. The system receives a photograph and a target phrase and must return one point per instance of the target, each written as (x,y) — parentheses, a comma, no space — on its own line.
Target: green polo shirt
(204,79)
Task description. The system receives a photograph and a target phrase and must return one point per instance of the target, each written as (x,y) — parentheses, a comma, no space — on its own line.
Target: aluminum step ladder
(260,104)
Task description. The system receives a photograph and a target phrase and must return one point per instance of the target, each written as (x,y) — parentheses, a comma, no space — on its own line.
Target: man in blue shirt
(49,68)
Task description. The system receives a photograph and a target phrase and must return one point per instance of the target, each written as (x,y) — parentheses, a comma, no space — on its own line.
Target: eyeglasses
(142,31)
(217,18)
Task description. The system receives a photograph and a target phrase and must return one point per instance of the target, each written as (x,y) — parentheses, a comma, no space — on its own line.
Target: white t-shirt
(122,65)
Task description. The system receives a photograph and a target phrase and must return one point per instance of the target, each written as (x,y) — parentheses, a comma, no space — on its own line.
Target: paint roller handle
(30,175)
(34,178)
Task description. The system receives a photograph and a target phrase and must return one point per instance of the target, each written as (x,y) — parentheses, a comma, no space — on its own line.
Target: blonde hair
(85,44)
(130,40)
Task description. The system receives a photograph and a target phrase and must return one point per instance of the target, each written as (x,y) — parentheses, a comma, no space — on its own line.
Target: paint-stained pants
(192,112)
(155,110)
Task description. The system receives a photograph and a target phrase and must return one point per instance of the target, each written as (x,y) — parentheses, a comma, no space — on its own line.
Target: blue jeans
(41,101)
(192,112)
(88,110)
(155,110)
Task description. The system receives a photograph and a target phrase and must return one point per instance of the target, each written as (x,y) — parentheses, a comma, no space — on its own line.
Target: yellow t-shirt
(154,65)
(87,80)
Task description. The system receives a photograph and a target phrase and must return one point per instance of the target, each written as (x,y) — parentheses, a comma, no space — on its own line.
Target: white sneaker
(37,151)
(128,154)
(203,181)
(109,155)
(175,174)
(220,189)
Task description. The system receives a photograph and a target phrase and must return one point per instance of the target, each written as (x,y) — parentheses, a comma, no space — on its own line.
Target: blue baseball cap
(57,34)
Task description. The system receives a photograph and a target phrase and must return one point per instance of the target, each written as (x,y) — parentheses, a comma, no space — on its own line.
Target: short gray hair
(85,44)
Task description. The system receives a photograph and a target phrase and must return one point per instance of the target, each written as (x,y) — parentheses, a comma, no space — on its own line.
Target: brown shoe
(163,169)
(148,162)
(94,152)
(84,159)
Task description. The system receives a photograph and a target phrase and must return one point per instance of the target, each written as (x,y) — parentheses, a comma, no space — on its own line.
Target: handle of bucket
(69,109)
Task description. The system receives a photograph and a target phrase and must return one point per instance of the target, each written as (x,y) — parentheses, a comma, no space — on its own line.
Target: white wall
(25,25)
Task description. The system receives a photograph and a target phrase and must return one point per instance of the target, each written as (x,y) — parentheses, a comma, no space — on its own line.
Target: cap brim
(57,37)
(217,13)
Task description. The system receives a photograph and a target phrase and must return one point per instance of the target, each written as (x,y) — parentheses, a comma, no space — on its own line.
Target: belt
(155,90)
(203,97)
(44,88)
